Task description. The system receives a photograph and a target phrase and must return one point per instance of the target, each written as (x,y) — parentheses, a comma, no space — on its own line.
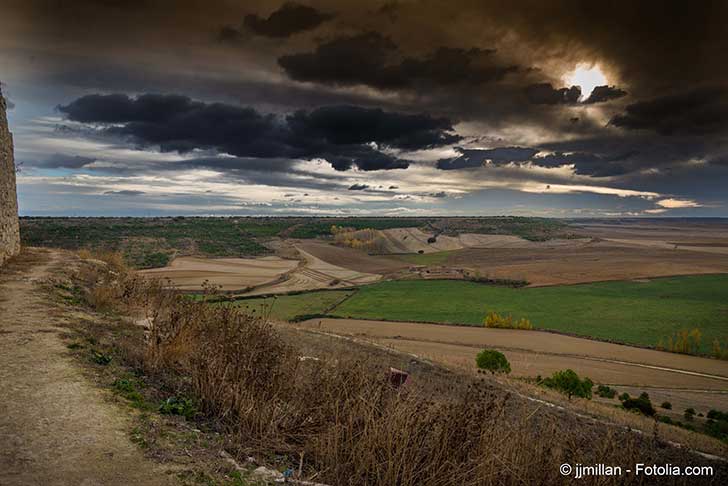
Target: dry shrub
(495,320)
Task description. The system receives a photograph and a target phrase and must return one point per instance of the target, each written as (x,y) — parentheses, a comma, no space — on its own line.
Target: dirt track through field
(535,352)
(55,427)
(189,273)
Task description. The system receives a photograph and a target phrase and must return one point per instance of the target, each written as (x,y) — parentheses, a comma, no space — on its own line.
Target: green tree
(493,361)
(569,383)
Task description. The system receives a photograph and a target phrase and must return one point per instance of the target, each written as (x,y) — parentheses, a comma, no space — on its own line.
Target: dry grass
(339,418)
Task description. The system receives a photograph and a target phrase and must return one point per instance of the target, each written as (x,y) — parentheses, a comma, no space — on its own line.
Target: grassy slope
(630,312)
(286,307)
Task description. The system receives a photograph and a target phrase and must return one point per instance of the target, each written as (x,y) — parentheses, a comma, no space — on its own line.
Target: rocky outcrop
(9,228)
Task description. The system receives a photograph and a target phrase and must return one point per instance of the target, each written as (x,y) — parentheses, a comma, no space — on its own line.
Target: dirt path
(56,428)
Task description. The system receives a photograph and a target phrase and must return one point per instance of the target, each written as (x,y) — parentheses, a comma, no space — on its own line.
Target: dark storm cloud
(696,112)
(343,135)
(585,163)
(291,18)
(605,93)
(476,158)
(595,163)
(546,94)
(345,125)
(378,63)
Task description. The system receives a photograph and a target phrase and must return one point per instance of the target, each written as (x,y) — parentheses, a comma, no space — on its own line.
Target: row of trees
(686,341)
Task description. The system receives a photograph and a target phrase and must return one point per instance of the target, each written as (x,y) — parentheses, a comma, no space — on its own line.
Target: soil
(55,426)
(533,352)
(189,273)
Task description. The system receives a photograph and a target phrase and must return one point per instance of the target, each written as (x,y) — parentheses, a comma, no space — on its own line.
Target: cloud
(289,19)
(56,161)
(345,136)
(358,187)
(376,64)
(124,193)
(476,157)
(546,94)
(604,93)
(696,112)
(678,203)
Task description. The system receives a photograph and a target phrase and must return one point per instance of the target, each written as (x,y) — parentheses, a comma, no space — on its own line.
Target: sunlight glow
(587,76)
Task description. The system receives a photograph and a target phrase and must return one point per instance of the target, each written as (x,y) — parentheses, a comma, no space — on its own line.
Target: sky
(393,108)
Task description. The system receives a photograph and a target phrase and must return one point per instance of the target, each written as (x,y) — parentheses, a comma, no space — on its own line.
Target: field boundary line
(563,355)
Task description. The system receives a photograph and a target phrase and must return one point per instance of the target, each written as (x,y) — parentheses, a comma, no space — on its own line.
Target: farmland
(290,307)
(631,312)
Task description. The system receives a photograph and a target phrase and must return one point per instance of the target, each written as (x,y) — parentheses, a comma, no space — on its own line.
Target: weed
(100,358)
(178,406)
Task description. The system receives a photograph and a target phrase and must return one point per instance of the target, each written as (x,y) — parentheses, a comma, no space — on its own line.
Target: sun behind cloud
(586,76)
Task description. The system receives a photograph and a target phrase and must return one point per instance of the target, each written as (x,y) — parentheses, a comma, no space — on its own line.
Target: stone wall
(9,229)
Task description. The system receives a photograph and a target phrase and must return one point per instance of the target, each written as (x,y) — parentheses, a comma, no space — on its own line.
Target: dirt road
(56,428)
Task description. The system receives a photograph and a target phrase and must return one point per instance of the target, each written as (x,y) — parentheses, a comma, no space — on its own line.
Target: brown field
(189,273)
(314,274)
(592,262)
(413,240)
(602,251)
(533,352)
(351,258)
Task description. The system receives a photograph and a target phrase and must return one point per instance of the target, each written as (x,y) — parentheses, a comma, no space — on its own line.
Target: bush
(493,361)
(665,419)
(569,383)
(717,415)
(666,405)
(624,396)
(689,414)
(605,391)
(642,405)
(495,320)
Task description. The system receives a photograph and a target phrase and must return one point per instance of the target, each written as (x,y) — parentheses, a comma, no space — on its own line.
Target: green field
(288,307)
(631,312)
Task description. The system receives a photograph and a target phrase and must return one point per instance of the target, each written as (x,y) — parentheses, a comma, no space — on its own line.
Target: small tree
(666,405)
(689,414)
(569,383)
(493,361)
